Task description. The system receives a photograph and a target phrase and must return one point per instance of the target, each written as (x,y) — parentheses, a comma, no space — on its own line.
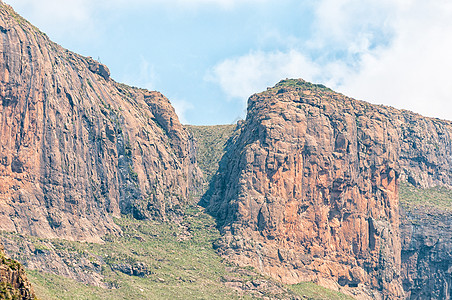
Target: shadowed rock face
(427,253)
(77,148)
(13,280)
(426,235)
(308,188)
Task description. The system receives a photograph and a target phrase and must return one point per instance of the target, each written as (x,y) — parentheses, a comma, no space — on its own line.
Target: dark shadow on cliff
(213,199)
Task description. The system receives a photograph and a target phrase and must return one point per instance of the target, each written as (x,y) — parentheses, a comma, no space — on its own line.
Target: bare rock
(98,68)
(308,188)
(78,148)
(13,280)
(427,253)
(139,269)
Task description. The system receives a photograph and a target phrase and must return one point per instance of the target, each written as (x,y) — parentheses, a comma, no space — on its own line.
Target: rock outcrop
(77,148)
(308,187)
(13,280)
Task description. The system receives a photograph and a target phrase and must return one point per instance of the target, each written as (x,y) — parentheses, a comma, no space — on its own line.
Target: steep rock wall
(426,231)
(427,253)
(77,148)
(308,189)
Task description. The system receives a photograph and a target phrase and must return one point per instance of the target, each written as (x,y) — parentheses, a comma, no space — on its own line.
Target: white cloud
(345,23)
(52,11)
(415,71)
(79,10)
(81,20)
(141,75)
(61,18)
(391,52)
(395,52)
(242,76)
(181,106)
(180,3)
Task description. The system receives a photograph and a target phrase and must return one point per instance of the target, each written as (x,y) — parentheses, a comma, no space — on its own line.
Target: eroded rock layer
(77,148)
(308,188)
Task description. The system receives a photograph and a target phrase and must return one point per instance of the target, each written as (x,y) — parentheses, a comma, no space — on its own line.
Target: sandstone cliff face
(308,188)
(77,148)
(13,280)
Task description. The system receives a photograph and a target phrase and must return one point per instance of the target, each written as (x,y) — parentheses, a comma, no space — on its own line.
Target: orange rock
(327,168)
(77,148)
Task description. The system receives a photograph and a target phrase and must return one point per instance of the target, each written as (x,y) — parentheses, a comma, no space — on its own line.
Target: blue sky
(209,56)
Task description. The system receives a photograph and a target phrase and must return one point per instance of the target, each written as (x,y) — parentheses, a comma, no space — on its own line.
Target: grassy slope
(312,291)
(181,261)
(210,141)
(439,198)
(179,256)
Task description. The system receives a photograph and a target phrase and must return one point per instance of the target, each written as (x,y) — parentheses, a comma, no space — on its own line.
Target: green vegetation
(176,258)
(437,197)
(8,292)
(211,141)
(313,291)
(12,264)
(133,174)
(299,83)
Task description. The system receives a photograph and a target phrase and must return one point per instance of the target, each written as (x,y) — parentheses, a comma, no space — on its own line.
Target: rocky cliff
(307,190)
(77,148)
(13,281)
(308,187)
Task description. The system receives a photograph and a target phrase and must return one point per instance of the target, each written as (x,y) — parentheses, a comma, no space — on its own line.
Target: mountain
(78,148)
(99,186)
(308,189)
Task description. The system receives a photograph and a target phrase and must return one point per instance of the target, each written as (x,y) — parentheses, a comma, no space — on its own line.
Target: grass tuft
(438,197)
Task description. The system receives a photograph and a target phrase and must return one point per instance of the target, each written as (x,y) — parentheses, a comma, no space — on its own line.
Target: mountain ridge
(306,189)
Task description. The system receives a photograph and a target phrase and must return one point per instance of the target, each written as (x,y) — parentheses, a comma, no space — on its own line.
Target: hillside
(104,194)
(150,260)
(210,146)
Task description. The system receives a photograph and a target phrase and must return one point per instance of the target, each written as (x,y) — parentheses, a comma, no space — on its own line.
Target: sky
(209,56)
